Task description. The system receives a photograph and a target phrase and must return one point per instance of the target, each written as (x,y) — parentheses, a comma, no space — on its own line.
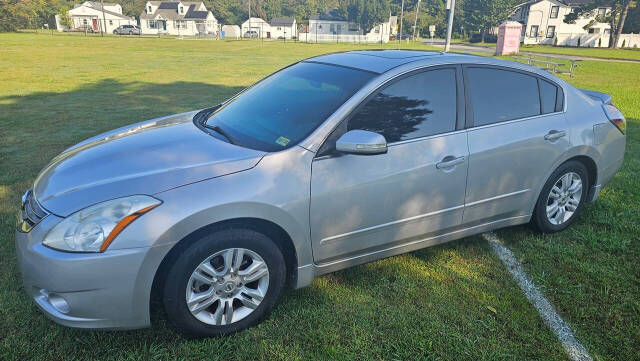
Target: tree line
(472,16)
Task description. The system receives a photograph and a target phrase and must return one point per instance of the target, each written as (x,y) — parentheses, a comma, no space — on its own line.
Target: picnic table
(549,65)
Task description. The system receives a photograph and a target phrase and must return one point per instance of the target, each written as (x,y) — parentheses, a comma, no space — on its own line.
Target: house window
(533,32)
(152,24)
(602,12)
(377,30)
(279,28)
(181,10)
(339,28)
(554,12)
(353,27)
(332,28)
(110,22)
(84,21)
(149,9)
(181,24)
(551,31)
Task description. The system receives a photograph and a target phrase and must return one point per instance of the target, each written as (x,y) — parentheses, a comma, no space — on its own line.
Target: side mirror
(361,142)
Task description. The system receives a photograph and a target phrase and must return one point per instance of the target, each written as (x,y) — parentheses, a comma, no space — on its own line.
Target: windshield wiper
(217,129)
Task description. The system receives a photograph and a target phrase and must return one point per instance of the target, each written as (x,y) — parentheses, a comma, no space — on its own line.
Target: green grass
(606,53)
(431,304)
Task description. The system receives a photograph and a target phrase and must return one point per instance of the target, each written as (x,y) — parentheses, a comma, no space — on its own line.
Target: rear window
(283,109)
(500,95)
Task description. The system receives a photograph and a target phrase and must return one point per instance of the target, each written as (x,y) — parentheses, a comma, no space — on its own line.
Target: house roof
(576,2)
(329,15)
(283,21)
(91,4)
(168,10)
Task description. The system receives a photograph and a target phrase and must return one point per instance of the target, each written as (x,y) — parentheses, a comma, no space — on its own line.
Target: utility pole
(401,15)
(249,30)
(104,19)
(452,6)
(415,24)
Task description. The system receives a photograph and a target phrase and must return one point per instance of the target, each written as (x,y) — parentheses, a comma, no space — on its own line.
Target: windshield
(283,109)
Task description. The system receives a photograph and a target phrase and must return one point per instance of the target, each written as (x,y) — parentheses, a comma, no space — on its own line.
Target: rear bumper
(107,290)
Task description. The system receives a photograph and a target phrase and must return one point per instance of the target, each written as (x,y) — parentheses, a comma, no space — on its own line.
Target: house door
(95,24)
(268,35)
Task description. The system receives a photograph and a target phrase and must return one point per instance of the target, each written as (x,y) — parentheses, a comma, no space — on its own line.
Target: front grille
(31,212)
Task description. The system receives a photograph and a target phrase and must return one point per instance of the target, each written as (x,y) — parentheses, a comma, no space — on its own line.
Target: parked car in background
(251,34)
(127,30)
(331,162)
(488,38)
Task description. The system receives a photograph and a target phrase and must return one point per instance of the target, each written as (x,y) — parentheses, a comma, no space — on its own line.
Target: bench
(548,65)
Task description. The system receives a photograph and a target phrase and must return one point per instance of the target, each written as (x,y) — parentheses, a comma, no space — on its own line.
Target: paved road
(487,50)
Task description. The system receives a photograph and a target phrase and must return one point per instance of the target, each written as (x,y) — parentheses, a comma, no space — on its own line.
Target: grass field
(434,304)
(602,53)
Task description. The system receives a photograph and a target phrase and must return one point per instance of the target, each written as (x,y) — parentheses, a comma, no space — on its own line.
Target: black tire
(540,219)
(179,273)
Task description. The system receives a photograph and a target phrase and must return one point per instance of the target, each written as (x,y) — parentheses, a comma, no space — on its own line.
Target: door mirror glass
(361,142)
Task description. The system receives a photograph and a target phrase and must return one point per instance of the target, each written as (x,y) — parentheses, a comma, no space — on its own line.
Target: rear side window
(551,97)
(499,95)
(417,106)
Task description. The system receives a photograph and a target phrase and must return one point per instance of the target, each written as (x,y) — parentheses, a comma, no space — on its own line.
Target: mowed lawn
(434,304)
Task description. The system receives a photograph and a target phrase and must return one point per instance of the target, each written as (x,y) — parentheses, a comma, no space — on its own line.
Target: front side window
(554,12)
(152,24)
(499,95)
(417,106)
(283,109)
(551,31)
(533,32)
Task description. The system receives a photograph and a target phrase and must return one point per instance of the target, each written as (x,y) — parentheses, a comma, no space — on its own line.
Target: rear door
(517,131)
(364,203)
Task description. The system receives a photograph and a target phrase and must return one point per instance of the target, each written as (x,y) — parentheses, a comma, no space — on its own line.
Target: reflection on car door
(519,131)
(361,203)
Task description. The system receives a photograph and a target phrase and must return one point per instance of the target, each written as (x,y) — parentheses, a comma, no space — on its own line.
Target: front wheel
(562,197)
(225,282)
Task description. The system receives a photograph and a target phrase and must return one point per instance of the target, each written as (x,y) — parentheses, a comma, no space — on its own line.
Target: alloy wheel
(564,198)
(227,286)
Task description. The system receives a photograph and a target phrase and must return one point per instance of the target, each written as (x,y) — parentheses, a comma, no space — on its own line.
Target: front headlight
(93,229)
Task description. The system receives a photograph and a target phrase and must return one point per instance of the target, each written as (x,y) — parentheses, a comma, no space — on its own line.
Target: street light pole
(401,16)
(104,19)
(415,24)
(452,6)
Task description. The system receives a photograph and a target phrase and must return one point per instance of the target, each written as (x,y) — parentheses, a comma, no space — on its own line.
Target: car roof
(382,61)
(376,61)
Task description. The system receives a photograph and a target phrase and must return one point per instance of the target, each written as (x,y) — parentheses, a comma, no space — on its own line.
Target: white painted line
(574,348)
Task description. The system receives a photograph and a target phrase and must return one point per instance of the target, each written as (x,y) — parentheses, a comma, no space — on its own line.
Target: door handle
(449,161)
(555,134)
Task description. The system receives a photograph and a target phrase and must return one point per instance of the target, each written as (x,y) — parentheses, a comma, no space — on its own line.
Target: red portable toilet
(509,34)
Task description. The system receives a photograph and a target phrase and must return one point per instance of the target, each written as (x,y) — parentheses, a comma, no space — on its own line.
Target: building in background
(231,32)
(177,18)
(543,23)
(256,28)
(284,28)
(89,17)
(331,27)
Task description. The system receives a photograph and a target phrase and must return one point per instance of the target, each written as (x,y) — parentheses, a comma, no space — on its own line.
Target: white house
(543,23)
(177,18)
(331,27)
(261,27)
(89,16)
(284,28)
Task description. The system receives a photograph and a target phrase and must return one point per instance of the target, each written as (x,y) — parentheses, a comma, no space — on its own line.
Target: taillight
(616,117)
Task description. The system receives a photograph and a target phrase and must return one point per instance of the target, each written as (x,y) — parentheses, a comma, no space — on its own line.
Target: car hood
(144,158)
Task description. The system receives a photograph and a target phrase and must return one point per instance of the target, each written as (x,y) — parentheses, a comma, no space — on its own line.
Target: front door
(362,203)
(95,24)
(519,131)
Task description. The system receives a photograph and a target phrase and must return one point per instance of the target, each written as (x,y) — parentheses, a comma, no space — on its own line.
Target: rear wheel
(562,197)
(224,282)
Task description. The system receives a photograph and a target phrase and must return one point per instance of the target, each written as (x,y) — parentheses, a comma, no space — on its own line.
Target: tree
(367,13)
(616,17)
(485,14)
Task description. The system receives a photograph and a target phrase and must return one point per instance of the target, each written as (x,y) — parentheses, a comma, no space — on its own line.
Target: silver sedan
(331,162)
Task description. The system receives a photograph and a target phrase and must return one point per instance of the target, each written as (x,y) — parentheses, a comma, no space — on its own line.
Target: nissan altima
(328,163)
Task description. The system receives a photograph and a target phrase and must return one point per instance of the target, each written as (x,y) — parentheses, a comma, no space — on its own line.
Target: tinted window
(417,106)
(284,108)
(500,95)
(548,95)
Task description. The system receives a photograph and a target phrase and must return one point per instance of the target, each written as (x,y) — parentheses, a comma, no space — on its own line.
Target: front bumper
(87,290)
